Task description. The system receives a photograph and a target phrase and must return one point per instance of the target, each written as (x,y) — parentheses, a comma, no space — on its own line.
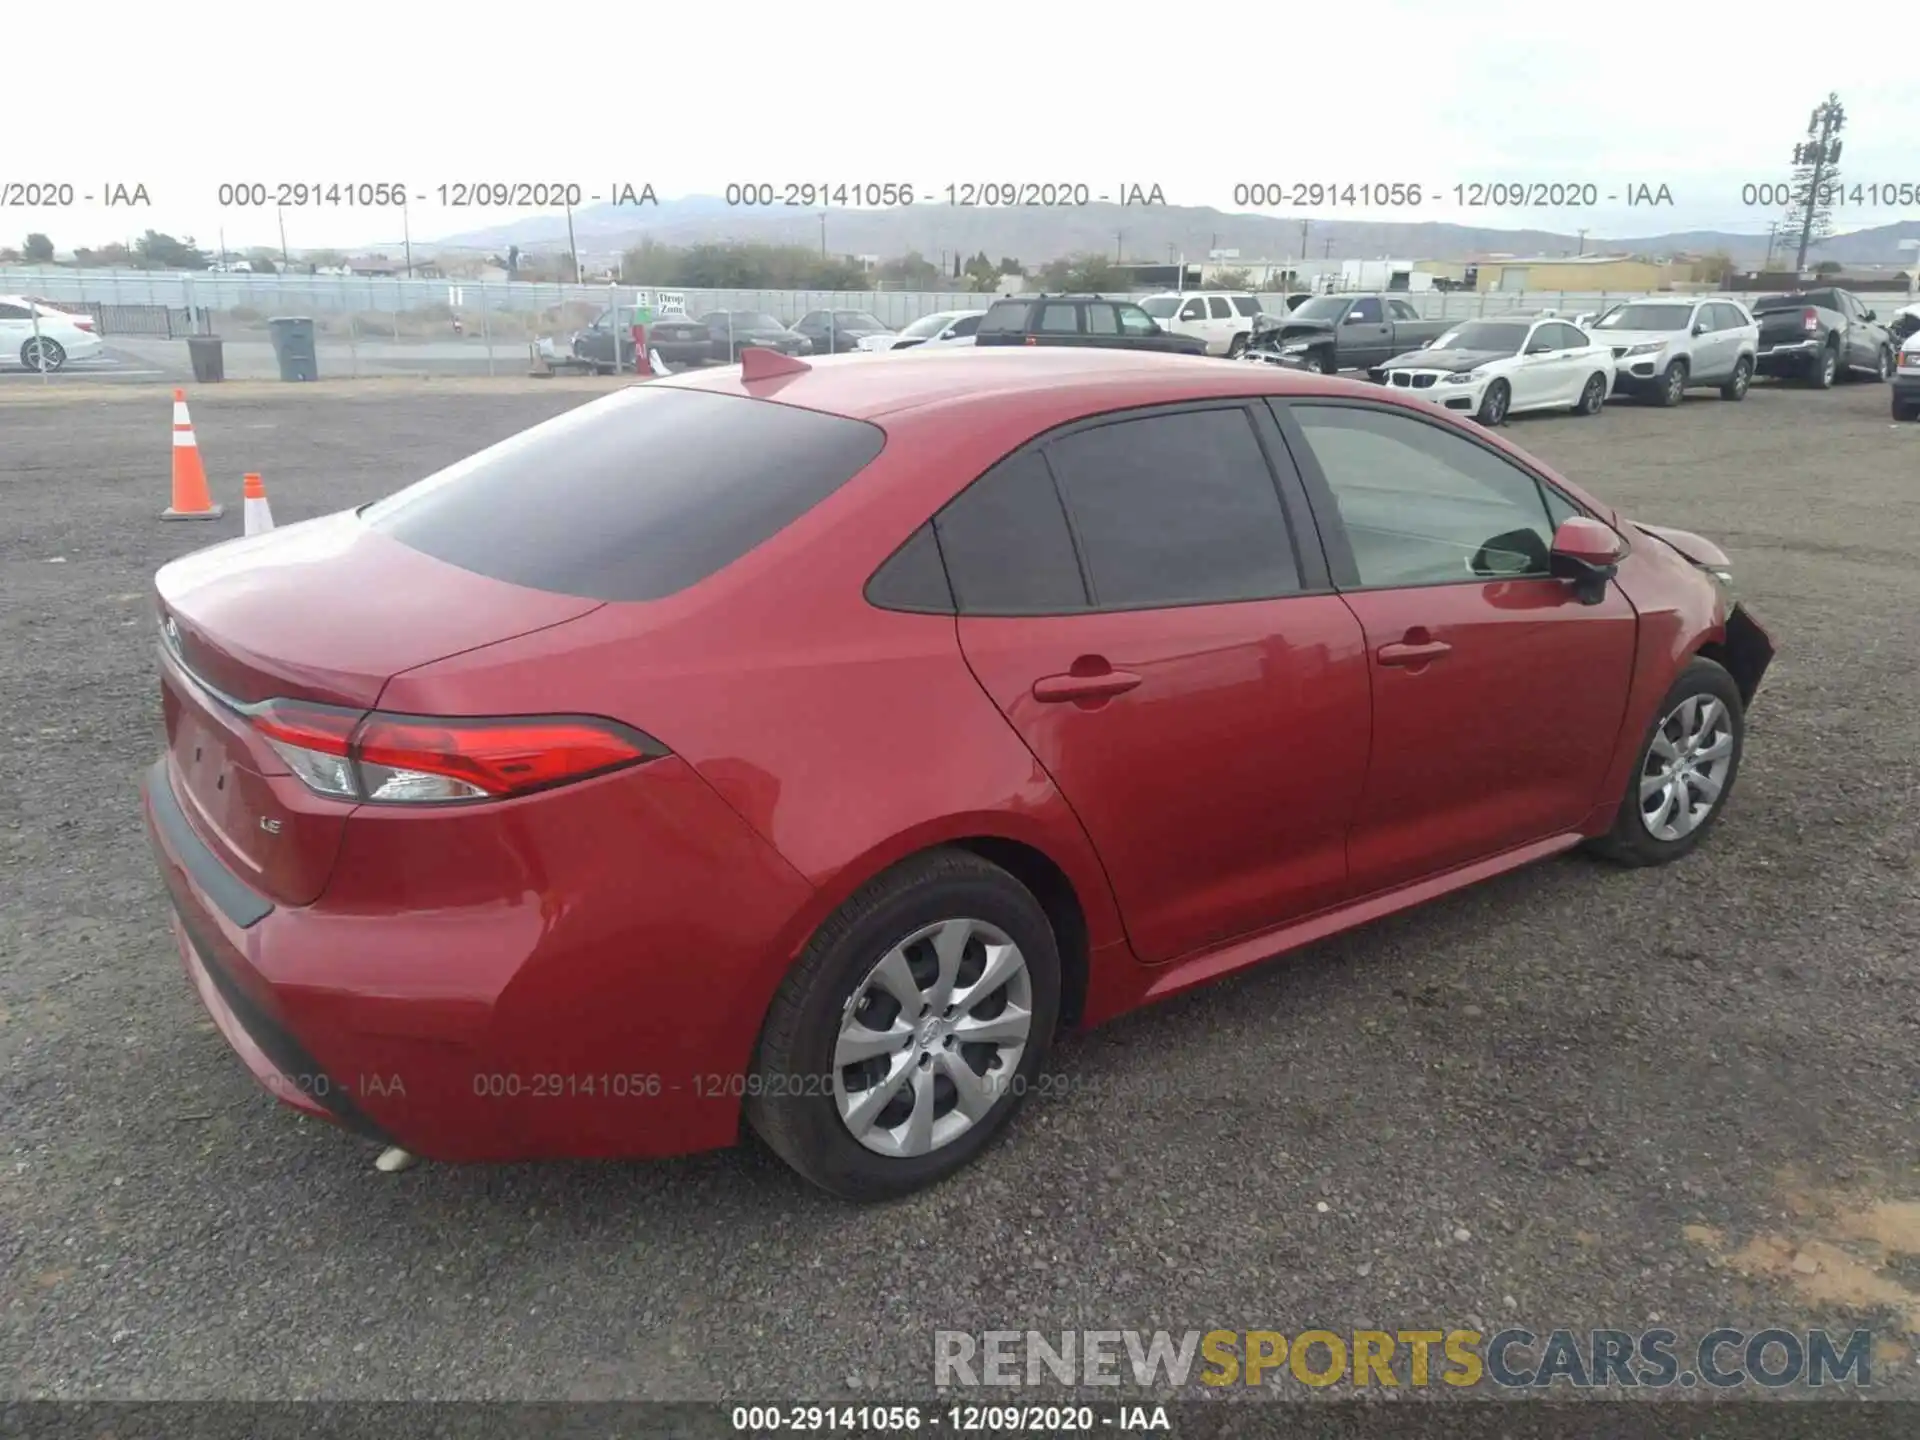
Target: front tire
(884,1065)
(1685,773)
(43,354)
(1493,404)
(1738,383)
(1593,397)
(1673,384)
(1320,362)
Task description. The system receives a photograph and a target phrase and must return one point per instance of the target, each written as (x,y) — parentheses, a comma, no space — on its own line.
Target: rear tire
(799,1082)
(1700,749)
(1883,370)
(1493,404)
(1237,348)
(1905,409)
(1825,369)
(1739,381)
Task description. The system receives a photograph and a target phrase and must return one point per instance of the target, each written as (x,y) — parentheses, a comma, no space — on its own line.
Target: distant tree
(1714,269)
(1085,271)
(912,271)
(513,260)
(39,249)
(1828,267)
(1229,280)
(1010,266)
(158,251)
(982,275)
(263,260)
(325,259)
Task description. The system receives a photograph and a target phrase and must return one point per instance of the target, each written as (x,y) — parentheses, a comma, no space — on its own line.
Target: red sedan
(807,744)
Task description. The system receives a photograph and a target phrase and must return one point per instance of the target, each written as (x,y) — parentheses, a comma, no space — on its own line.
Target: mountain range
(1035,235)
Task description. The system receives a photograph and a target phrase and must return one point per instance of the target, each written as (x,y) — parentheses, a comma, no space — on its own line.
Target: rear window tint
(632,497)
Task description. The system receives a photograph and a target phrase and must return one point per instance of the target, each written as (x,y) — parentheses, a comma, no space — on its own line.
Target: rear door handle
(1417,653)
(1052,689)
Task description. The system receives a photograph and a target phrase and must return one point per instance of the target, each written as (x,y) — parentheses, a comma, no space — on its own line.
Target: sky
(865,93)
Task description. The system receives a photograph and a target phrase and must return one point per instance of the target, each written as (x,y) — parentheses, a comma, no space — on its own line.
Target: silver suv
(1666,345)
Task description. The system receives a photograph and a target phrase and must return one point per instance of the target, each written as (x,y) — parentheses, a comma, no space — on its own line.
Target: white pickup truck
(1222,318)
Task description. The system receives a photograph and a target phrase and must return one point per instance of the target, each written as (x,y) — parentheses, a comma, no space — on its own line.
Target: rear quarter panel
(846,736)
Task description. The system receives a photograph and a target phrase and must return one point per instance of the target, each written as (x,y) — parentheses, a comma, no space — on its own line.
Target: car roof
(1077,381)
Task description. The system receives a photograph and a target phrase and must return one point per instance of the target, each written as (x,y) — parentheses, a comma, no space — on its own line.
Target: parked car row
(1655,348)
(720,335)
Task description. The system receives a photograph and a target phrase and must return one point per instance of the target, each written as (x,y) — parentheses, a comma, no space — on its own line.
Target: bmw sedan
(813,776)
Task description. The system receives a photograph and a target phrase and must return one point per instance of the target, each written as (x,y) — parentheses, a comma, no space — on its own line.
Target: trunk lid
(324,611)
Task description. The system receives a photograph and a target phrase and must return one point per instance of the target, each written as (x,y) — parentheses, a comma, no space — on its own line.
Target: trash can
(209,360)
(293,347)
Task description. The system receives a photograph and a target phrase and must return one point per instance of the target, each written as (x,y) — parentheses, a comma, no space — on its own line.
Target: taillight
(86,325)
(1810,320)
(382,758)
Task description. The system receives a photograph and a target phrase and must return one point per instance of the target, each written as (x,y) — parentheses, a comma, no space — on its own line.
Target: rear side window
(1246,304)
(1004,318)
(1060,319)
(1175,509)
(1007,546)
(632,497)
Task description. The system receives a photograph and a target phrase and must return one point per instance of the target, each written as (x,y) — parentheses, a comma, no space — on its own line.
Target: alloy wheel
(1595,396)
(43,355)
(1676,384)
(931,1039)
(1686,767)
(1886,364)
(1742,378)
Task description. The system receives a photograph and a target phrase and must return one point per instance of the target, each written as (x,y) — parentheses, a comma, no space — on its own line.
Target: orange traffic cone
(191,499)
(254,508)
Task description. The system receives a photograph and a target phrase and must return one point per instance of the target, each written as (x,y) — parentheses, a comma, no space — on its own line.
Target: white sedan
(946,328)
(41,337)
(1491,369)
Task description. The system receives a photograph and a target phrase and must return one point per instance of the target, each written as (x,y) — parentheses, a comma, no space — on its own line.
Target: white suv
(1222,318)
(1666,345)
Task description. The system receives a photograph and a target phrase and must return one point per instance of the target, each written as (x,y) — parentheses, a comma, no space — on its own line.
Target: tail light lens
(412,759)
(1810,320)
(86,325)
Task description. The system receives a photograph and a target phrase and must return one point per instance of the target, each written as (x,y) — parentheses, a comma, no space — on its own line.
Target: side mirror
(1700,327)
(1540,347)
(1586,553)
(1873,315)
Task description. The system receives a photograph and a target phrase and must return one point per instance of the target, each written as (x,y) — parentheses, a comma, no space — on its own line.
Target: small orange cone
(254,508)
(191,498)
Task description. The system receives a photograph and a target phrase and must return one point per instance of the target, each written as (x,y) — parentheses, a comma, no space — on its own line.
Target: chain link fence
(368,326)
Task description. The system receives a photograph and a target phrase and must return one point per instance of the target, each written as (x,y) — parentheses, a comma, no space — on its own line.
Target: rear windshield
(1010,315)
(632,497)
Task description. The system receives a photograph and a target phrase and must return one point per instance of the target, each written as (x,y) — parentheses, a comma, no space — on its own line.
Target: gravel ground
(1574,1096)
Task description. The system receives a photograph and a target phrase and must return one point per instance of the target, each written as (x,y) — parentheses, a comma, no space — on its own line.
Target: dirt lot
(1572,1097)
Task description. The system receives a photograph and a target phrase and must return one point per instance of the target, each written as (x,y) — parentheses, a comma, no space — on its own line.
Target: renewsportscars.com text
(1412,1358)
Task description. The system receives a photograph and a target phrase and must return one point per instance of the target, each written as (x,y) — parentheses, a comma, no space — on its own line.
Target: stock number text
(1386,194)
(1903,194)
(808,193)
(300,194)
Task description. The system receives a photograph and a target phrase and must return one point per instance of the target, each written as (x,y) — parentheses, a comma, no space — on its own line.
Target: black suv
(1085,320)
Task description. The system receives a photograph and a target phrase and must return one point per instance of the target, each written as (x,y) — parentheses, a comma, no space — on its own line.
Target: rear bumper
(578,979)
(1789,358)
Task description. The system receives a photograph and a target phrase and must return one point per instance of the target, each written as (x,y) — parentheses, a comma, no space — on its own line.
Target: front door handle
(1417,652)
(1053,689)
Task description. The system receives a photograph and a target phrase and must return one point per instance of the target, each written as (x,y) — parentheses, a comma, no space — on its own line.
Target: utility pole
(406,236)
(1328,252)
(823,234)
(286,260)
(1773,235)
(1119,245)
(1822,152)
(1304,226)
(573,250)
(1583,244)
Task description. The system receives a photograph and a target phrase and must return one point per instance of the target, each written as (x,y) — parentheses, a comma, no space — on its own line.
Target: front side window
(1421,506)
(1134,320)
